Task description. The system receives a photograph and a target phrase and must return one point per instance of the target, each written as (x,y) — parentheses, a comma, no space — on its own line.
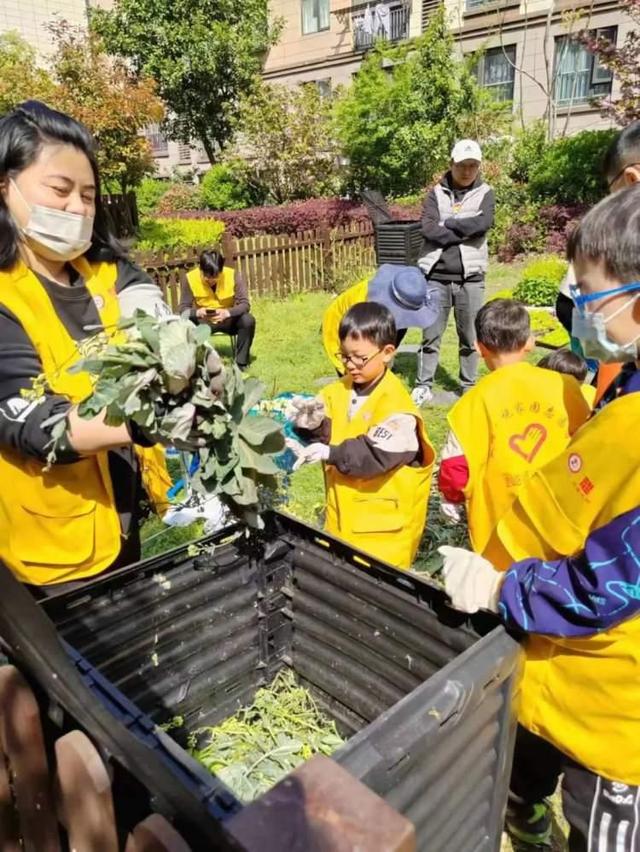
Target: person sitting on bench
(218,295)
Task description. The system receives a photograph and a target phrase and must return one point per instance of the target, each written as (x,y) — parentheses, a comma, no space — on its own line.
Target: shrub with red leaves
(558,221)
(293,218)
(549,233)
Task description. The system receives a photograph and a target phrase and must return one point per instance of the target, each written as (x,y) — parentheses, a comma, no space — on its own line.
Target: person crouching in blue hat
(404,290)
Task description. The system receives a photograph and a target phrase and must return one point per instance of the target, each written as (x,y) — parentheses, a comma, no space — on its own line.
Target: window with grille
(496,71)
(579,77)
(315,16)
(157,140)
(184,153)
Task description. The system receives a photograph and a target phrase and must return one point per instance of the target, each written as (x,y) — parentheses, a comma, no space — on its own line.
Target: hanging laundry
(382,21)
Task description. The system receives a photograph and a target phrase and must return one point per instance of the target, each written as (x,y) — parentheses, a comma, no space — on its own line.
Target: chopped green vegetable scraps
(257,747)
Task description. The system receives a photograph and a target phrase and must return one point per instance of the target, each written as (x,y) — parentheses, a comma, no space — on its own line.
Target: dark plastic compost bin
(424,694)
(399,243)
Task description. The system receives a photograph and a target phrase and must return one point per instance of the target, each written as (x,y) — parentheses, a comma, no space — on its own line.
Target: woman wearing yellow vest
(511,423)
(572,541)
(60,276)
(378,458)
(216,294)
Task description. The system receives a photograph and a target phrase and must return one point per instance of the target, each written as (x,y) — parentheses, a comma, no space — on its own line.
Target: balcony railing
(390,24)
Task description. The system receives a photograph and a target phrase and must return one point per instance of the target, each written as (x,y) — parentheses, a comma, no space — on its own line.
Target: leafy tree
(204,54)
(286,139)
(397,121)
(624,62)
(106,96)
(20,78)
(226,186)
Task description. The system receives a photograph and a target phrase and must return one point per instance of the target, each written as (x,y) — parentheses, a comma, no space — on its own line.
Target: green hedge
(540,281)
(178,234)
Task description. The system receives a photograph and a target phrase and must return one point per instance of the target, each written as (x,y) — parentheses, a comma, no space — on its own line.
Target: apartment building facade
(529,57)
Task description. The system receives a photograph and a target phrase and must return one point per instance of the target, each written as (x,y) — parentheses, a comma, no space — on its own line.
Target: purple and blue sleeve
(582,594)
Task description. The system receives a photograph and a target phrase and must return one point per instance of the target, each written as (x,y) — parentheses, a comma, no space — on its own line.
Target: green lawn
(288,356)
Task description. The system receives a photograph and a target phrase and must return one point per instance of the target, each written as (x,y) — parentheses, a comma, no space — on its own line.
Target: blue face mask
(590,328)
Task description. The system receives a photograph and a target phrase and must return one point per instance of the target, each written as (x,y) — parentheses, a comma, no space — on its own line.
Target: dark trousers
(466,299)
(604,816)
(244,329)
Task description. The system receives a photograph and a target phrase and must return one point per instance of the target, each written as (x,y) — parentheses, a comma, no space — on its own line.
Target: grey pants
(466,300)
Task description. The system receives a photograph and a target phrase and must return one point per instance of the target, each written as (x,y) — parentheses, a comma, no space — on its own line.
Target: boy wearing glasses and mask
(571,546)
(370,435)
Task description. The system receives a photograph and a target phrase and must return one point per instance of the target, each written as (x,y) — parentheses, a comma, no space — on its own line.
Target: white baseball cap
(466,149)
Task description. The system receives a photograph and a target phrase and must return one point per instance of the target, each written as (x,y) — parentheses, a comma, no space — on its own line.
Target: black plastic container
(424,694)
(399,243)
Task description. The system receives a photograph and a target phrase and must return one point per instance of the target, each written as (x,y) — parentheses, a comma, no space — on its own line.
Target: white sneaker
(421,395)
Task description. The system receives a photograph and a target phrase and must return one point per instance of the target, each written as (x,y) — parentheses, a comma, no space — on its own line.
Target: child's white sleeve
(396,434)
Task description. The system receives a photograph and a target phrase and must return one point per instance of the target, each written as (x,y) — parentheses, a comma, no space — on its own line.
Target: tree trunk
(209,147)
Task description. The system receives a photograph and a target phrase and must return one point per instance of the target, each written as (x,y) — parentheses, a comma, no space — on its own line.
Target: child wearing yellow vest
(370,435)
(512,422)
(566,361)
(571,544)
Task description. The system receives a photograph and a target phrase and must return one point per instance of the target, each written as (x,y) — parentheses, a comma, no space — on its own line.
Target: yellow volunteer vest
(385,515)
(583,695)
(213,300)
(589,393)
(513,422)
(61,523)
(333,317)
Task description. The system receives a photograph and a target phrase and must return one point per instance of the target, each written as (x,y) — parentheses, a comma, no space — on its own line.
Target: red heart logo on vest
(529,442)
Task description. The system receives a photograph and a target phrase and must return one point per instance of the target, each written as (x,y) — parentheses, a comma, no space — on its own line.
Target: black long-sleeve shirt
(21,421)
(449,234)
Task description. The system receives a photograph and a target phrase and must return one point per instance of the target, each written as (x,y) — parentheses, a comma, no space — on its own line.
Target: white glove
(312,454)
(471,581)
(451,512)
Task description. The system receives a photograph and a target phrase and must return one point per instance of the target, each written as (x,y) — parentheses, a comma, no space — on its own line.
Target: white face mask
(591,331)
(56,232)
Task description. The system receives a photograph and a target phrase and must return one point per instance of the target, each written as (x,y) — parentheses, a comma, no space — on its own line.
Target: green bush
(178,234)
(540,281)
(149,193)
(542,322)
(529,147)
(225,187)
(507,293)
(570,170)
(179,197)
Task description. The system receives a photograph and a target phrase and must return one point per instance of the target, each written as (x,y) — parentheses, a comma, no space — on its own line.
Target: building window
(324,87)
(157,140)
(315,16)
(184,153)
(579,75)
(496,71)
(474,5)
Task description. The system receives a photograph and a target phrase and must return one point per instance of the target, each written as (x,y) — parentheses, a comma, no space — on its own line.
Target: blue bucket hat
(405,291)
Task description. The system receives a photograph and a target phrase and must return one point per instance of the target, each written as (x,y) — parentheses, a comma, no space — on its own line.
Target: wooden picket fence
(278,265)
